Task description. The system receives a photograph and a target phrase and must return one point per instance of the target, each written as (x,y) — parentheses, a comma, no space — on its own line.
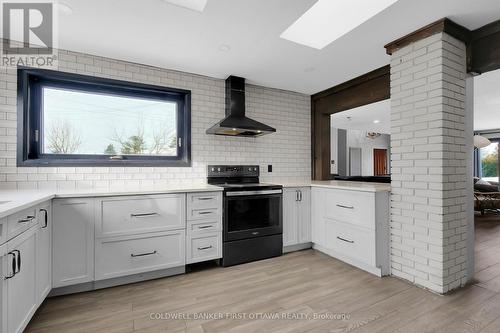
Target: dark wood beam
(442,25)
(368,88)
(485,48)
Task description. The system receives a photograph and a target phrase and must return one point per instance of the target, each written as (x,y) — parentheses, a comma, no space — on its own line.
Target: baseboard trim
(297,247)
(94,285)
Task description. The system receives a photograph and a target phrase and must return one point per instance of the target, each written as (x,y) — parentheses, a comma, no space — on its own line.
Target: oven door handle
(247,193)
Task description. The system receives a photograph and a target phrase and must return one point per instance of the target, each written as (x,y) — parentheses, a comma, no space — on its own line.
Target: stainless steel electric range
(252,214)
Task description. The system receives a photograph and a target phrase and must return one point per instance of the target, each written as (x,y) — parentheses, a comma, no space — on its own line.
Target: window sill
(101,163)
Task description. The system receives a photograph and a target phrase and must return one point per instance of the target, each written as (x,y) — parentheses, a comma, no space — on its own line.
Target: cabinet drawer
(134,215)
(131,255)
(204,213)
(3,231)
(204,200)
(351,206)
(203,227)
(352,241)
(19,222)
(202,248)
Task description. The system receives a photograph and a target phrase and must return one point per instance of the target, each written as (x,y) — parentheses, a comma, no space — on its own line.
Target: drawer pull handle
(144,214)
(143,254)
(345,240)
(27,219)
(14,265)
(46,218)
(205,226)
(205,248)
(346,207)
(207,198)
(204,213)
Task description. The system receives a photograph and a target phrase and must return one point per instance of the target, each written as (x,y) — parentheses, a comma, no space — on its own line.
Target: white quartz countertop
(342,184)
(13,201)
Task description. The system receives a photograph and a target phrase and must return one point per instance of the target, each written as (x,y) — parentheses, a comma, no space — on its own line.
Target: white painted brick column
(428,151)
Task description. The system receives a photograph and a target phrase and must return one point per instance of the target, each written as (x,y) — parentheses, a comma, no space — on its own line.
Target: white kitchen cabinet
(127,255)
(72,241)
(204,227)
(290,218)
(203,247)
(296,216)
(353,226)
(3,230)
(20,222)
(22,298)
(44,251)
(318,227)
(304,214)
(132,215)
(3,287)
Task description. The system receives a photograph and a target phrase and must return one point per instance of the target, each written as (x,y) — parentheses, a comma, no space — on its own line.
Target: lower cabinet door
(121,256)
(44,252)
(72,241)
(204,247)
(304,215)
(4,273)
(318,222)
(290,217)
(22,300)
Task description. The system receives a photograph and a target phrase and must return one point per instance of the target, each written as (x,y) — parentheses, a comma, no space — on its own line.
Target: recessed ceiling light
(64,8)
(224,48)
(197,5)
(376,121)
(327,20)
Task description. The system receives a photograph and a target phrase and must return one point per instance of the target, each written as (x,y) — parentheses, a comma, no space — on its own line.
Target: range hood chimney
(236,123)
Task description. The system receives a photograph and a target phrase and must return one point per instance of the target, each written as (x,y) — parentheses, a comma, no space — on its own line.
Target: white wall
(288,150)
(334,150)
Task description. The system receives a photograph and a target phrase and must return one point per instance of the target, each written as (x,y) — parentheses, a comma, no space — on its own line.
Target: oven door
(249,214)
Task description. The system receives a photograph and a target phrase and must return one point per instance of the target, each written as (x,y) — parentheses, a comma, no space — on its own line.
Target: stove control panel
(233,171)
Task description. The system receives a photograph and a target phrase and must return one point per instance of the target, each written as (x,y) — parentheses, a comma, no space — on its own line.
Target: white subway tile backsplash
(288,150)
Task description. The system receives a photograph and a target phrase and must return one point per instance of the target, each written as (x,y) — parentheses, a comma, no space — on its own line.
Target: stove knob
(212,169)
(218,169)
(254,169)
(249,169)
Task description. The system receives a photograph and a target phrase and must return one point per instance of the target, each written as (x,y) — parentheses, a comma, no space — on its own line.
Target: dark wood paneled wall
(369,88)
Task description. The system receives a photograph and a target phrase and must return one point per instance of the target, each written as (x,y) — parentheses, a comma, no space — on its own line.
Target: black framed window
(68,119)
(487,161)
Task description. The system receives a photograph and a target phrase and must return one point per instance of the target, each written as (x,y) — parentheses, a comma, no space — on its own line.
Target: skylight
(197,5)
(328,20)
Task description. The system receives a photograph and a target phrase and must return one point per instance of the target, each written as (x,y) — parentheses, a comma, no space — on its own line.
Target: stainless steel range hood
(236,123)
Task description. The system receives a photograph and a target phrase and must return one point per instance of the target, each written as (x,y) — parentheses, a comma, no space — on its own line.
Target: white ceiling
(487,101)
(157,33)
(361,118)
